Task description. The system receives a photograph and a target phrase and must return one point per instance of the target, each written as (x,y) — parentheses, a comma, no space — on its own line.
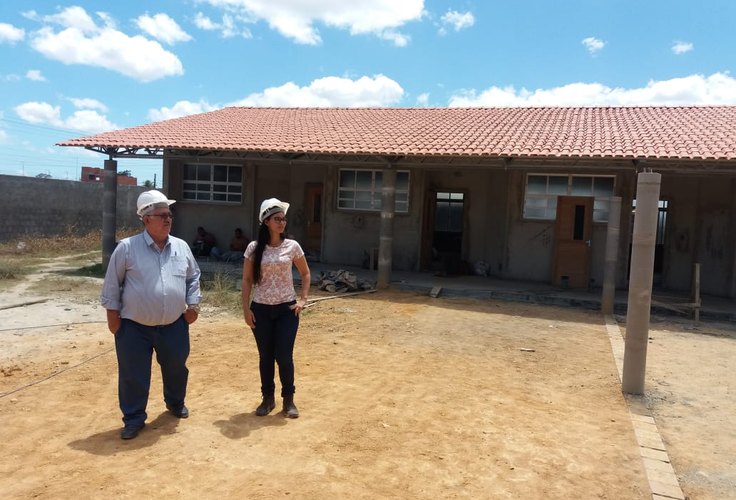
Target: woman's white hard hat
(271,206)
(147,199)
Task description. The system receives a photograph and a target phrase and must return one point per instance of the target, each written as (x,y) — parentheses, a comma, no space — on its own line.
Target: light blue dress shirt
(148,285)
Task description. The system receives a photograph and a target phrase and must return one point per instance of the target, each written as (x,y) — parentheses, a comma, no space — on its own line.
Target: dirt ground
(401,396)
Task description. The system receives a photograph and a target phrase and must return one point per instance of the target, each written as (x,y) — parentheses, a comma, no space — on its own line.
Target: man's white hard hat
(147,199)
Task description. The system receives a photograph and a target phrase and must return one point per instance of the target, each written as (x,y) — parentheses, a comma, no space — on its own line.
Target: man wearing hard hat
(151,293)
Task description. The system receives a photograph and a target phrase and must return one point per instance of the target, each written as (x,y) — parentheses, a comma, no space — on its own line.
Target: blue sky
(79,68)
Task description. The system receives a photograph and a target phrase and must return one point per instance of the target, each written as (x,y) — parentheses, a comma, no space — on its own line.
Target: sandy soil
(401,396)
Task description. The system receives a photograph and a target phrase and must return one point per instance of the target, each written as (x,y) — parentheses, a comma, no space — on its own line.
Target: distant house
(490,186)
(94,174)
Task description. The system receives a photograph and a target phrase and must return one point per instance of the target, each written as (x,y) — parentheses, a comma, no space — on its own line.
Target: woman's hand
(250,318)
(299,306)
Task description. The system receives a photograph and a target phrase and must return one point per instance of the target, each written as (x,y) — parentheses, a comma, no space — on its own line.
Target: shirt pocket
(179,266)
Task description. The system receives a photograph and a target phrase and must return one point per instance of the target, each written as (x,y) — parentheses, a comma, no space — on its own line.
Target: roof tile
(695,132)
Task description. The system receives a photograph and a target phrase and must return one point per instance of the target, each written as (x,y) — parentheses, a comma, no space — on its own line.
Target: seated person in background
(237,247)
(204,244)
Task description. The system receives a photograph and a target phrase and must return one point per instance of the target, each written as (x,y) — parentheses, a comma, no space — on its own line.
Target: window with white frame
(215,183)
(361,190)
(542,190)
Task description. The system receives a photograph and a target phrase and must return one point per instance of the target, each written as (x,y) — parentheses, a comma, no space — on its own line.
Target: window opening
(213,183)
(361,190)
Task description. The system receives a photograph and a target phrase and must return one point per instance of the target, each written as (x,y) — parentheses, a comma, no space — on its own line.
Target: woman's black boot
(290,409)
(266,406)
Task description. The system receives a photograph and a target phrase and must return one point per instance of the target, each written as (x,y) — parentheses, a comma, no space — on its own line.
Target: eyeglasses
(279,220)
(163,216)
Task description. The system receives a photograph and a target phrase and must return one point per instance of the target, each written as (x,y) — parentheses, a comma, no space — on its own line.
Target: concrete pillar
(608,297)
(385,247)
(640,282)
(109,210)
(732,239)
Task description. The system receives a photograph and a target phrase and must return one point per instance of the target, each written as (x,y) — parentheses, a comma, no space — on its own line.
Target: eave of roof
(703,133)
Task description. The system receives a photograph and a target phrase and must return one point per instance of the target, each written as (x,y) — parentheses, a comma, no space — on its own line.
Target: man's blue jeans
(134,345)
(275,334)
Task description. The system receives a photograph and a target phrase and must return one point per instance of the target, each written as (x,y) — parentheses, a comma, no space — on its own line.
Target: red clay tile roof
(693,133)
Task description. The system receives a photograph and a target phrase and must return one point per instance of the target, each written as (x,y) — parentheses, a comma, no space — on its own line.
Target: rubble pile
(342,281)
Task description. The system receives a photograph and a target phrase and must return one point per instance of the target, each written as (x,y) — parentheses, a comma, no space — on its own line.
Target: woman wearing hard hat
(273,314)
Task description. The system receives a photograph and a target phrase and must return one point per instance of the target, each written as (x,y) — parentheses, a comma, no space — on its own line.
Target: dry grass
(221,293)
(23,255)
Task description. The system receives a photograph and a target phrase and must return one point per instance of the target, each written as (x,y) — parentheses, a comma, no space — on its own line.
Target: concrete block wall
(47,207)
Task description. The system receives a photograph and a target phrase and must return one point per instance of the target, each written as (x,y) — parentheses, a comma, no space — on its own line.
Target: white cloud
(162,27)
(35,75)
(395,37)
(11,34)
(3,136)
(456,20)
(423,99)
(331,91)
(203,22)
(226,28)
(296,19)
(73,17)
(181,108)
(88,103)
(717,89)
(81,41)
(43,113)
(10,77)
(89,121)
(593,44)
(40,113)
(682,47)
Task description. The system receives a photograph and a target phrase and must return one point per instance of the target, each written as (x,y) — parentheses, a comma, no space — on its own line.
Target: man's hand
(191,315)
(113,321)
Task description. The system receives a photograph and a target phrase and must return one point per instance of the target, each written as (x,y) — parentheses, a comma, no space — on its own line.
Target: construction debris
(342,281)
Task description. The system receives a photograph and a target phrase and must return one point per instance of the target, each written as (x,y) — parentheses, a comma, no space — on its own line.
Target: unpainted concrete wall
(701,228)
(701,224)
(219,219)
(47,207)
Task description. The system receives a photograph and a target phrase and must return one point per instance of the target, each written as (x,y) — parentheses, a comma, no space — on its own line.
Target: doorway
(313,216)
(444,222)
(572,242)
(658,277)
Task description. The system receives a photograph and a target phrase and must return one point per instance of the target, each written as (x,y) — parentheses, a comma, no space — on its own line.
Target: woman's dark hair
(263,237)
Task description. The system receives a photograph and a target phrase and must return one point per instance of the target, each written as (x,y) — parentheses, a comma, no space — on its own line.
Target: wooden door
(313,209)
(572,241)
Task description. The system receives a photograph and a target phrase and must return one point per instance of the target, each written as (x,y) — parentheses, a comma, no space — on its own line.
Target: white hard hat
(147,199)
(271,206)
